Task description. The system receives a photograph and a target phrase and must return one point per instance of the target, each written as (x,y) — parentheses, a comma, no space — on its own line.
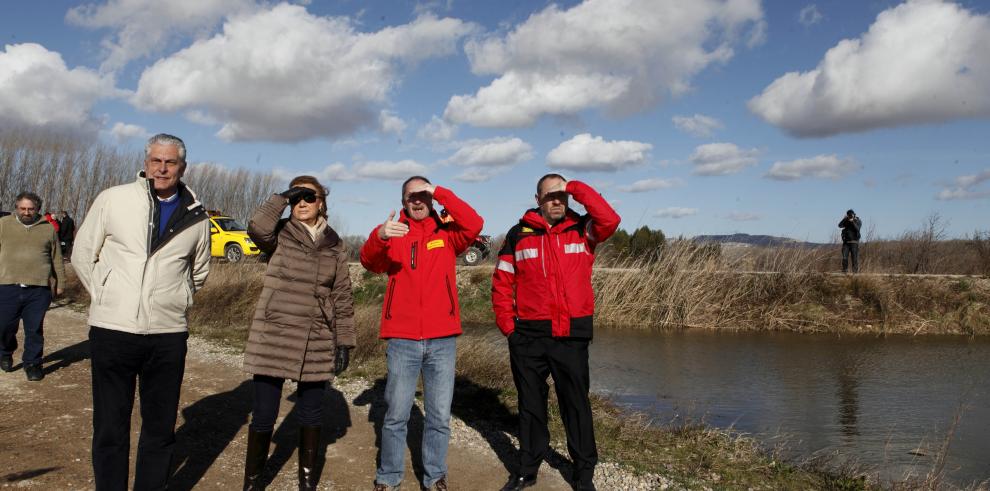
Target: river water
(878,402)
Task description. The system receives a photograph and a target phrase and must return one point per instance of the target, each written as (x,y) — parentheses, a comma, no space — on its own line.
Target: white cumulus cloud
(437,130)
(123,132)
(651,184)
(810,15)
(964,187)
(390,170)
(494,152)
(37,89)
(142,27)
(622,56)
(819,166)
(675,212)
(286,75)
(388,122)
(593,153)
(697,125)
(719,159)
(924,61)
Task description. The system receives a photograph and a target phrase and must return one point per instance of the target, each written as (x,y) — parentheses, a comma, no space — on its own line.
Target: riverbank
(655,456)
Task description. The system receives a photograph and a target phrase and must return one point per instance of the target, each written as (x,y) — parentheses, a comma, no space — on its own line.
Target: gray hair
(166,139)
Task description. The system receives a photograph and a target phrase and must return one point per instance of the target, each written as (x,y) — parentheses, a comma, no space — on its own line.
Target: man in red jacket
(421,320)
(543,302)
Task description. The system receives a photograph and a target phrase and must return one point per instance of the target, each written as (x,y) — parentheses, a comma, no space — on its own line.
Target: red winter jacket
(421,296)
(542,284)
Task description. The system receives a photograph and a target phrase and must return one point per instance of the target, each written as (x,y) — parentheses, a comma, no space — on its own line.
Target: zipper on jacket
(450,294)
(388,303)
(412,255)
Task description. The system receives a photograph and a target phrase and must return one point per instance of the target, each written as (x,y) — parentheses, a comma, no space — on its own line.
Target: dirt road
(46,427)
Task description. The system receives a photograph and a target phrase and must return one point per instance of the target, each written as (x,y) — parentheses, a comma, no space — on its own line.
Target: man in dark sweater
(29,257)
(850,225)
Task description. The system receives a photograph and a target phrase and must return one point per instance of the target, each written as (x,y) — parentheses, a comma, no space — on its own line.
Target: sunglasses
(309,198)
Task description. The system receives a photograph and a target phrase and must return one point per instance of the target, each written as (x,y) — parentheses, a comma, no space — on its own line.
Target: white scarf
(317,229)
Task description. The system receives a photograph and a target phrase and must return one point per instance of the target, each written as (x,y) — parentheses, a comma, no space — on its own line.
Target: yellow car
(229,239)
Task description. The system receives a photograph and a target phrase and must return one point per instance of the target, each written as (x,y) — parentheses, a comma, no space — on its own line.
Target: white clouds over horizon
(140,28)
(720,159)
(920,62)
(962,187)
(651,184)
(697,125)
(369,170)
(37,89)
(819,167)
(675,212)
(250,77)
(487,158)
(593,153)
(123,132)
(559,62)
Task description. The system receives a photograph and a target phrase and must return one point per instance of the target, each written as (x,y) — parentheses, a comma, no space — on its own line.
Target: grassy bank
(693,455)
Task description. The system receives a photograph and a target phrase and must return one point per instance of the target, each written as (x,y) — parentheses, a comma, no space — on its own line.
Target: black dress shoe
(7,363)
(517,482)
(34,372)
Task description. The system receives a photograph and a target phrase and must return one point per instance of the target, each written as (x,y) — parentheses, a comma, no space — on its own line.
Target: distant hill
(753,240)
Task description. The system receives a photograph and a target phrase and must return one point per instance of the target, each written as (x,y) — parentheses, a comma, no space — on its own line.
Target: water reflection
(857,399)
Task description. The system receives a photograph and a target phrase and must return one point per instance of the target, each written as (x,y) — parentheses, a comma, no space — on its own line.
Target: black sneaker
(7,363)
(34,372)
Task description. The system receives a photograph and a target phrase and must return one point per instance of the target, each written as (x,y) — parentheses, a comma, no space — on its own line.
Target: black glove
(297,193)
(341,358)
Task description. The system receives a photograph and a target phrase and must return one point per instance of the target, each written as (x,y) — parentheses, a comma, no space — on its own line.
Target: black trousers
(268,395)
(155,364)
(850,250)
(566,360)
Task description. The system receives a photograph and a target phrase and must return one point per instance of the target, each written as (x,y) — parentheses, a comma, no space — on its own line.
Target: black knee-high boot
(309,438)
(254,462)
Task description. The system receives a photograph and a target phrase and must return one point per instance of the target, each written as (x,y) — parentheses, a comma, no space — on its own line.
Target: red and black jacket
(542,284)
(421,295)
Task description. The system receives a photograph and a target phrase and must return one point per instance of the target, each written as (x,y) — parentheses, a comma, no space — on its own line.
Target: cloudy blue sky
(701,117)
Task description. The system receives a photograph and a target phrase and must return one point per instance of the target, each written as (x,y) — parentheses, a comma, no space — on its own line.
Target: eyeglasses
(309,198)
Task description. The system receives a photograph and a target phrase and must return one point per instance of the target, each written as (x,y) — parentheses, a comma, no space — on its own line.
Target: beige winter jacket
(136,288)
(305,310)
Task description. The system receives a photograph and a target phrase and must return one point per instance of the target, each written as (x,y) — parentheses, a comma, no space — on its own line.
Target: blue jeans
(29,305)
(407,358)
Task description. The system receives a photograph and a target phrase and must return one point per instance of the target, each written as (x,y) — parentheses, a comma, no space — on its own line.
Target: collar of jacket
(422,227)
(533,219)
(328,238)
(187,197)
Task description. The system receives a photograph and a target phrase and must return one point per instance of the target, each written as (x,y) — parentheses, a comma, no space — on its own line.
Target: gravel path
(46,428)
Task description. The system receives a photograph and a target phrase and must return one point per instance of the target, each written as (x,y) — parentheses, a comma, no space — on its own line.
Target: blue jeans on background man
(407,358)
(28,304)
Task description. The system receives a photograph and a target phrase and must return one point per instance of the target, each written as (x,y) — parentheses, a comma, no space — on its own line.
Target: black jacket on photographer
(850,229)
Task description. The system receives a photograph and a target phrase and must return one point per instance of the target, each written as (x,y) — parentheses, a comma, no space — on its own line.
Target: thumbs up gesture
(392,228)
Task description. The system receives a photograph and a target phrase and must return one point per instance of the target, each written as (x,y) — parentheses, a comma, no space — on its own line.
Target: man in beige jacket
(141,252)
(29,258)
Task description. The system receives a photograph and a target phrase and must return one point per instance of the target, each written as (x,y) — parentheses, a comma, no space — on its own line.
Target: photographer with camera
(850,225)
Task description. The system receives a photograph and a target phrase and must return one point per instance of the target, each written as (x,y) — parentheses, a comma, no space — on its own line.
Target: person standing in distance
(421,320)
(544,304)
(29,259)
(141,252)
(850,225)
